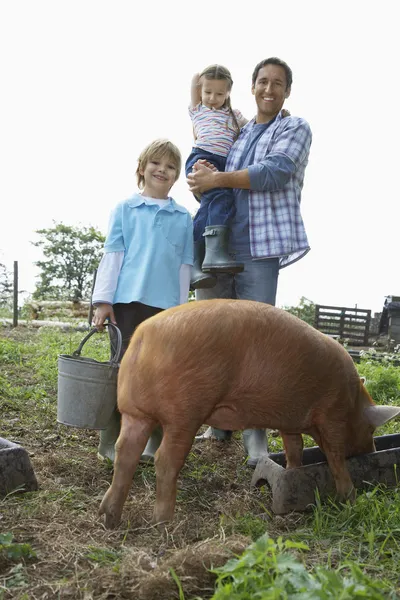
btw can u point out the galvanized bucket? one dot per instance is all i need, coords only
(87, 388)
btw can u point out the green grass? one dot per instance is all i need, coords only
(334, 551)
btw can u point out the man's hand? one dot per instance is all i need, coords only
(201, 179)
(102, 312)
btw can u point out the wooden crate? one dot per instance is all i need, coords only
(351, 324)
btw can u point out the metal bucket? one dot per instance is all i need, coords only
(87, 388)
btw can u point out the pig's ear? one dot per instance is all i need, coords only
(378, 415)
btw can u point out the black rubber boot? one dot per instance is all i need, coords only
(217, 259)
(198, 279)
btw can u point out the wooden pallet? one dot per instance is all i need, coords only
(350, 324)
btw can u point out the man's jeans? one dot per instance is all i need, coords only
(257, 282)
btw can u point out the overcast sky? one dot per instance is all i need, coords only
(85, 85)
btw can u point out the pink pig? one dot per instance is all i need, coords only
(236, 364)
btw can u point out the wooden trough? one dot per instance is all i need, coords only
(294, 489)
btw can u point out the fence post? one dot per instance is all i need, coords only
(90, 315)
(15, 294)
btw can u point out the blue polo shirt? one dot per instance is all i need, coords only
(156, 241)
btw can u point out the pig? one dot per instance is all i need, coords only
(235, 364)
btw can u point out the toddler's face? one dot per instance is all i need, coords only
(214, 92)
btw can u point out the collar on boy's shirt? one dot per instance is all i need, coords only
(171, 206)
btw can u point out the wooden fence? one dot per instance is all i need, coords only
(69, 310)
(350, 324)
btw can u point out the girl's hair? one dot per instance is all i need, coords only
(220, 72)
(158, 149)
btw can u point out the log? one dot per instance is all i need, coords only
(81, 326)
(39, 304)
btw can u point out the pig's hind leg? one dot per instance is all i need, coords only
(131, 442)
(169, 460)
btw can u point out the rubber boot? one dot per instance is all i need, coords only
(214, 434)
(255, 444)
(217, 259)
(108, 437)
(152, 446)
(198, 279)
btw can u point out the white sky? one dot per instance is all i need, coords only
(85, 85)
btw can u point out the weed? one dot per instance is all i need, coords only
(269, 570)
(14, 550)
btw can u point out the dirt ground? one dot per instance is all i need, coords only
(217, 513)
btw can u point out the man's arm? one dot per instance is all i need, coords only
(290, 149)
(203, 179)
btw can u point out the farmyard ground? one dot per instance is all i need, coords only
(68, 552)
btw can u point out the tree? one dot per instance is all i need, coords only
(72, 254)
(6, 287)
(304, 311)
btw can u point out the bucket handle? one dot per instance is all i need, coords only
(114, 358)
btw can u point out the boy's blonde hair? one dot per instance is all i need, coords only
(158, 149)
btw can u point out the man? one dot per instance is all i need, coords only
(265, 168)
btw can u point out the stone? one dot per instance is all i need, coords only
(16, 471)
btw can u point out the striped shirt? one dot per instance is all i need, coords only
(214, 129)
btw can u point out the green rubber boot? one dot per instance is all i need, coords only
(198, 279)
(109, 436)
(152, 446)
(217, 258)
(214, 434)
(255, 444)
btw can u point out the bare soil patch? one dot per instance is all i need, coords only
(217, 514)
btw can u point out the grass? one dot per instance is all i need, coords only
(53, 545)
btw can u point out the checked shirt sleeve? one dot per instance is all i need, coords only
(289, 150)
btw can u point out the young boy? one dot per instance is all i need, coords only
(147, 261)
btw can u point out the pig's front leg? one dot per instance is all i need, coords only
(293, 444)
(332, 438)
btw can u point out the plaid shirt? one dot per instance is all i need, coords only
(275, 222)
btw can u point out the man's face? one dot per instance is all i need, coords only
(270, 92)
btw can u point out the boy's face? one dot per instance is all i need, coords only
(159, 175)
